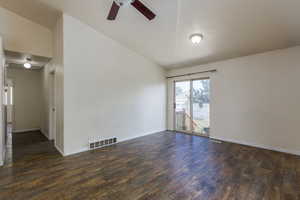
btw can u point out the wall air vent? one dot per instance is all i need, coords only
(102, 143)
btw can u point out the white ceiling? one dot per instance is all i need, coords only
(17, 60)
(231, 28)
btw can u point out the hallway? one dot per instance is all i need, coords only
(27, 146)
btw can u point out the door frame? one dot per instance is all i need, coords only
(12, 108)
(52, 105)
(192, 132)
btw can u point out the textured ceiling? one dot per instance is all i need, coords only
(231, 28)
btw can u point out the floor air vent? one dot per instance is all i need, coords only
(102, 143)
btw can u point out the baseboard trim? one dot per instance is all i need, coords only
(46, 135)
(120, 141)
(138, 136)
(59, 150)
(282, 150)
(26, 130)
(77, 151)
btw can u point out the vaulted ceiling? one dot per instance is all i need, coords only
(231, 28)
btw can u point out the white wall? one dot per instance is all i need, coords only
(27, 98)
(109, 91)
(255, 99)
(22, 35)
(2, 129)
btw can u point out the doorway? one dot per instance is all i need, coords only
(29, 99)
(27, 104)
(192, 106)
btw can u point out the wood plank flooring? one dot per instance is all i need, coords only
(27, 144)
(162, 166)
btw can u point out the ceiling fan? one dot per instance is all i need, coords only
(135, 3)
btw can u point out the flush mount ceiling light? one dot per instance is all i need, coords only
(196, 38)
(27, 64)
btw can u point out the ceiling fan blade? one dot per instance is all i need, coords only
(113, 11)
(143, 9)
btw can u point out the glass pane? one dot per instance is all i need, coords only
(182, 109)
(201, 102)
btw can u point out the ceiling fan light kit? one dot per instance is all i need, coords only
(135, 3)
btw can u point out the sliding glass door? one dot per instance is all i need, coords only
(183, 106)
(192, 105)
(201, 104)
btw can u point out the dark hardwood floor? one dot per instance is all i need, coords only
(27, 145)
(162, 166)
(31, 144)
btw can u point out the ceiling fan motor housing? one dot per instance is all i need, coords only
(124, 2)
